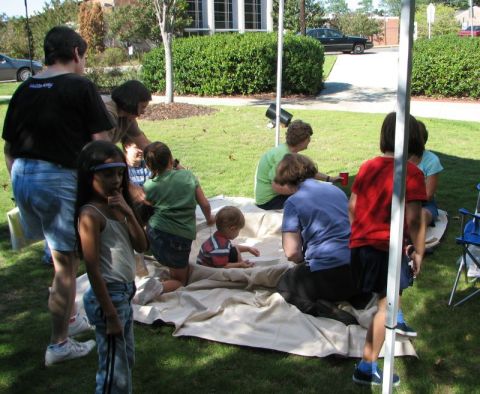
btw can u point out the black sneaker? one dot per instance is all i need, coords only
(372, 379)
(405, 330)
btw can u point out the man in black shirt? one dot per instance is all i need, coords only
(50, 118)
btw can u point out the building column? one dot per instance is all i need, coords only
(269, 15)
(211, 16)
(241, 15)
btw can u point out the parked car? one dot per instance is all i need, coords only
(467, 32)
(17, 69)
(335, 41)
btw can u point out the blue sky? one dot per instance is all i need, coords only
(16, 7)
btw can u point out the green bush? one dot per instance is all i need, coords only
(107, 79)
(237, 64)
(112, 57)
(446, 66)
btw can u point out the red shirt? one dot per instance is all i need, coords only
(373, 186)
(215, 251)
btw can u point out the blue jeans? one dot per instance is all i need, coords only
(45, 194)
(168, 249)
(123, 347)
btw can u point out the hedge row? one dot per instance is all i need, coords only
(446, 66)
(237, 64)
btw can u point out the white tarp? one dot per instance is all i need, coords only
(240, 306)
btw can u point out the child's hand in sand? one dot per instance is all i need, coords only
(253, 251)
(245, 264)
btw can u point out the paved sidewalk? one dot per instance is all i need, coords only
(427, 109)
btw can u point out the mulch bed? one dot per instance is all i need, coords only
(182, 110)
(175, 111)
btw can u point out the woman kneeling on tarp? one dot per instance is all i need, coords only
(315, 235)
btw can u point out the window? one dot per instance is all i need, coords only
(334, 34)
(253, 14)
(223, 14)
(195, 12)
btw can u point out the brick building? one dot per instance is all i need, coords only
(390, 33)
(209, 16)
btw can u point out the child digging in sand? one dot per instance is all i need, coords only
(218, 250)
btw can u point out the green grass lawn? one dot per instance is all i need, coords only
(7, 88)
(222, 150)
(328, 65)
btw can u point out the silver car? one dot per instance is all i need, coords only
(17, 69)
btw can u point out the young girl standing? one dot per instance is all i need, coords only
(370, 213)
(108, 232)
(174, 194)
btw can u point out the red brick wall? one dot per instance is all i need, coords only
(389, 35)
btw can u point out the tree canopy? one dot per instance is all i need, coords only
(314, 14)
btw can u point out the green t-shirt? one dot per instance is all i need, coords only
(172, 195)
(266, 173)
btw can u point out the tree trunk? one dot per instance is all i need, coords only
(167, 44)
(303, 28)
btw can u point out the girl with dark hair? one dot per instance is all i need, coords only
(370, 214)
(174, 194)
(108, 232)
(126, 103)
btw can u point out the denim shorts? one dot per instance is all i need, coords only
(431, 206)
(45, 194)
(169, 249)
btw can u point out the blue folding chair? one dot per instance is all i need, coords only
(470, 237)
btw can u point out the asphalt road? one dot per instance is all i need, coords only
(370, 77)
(368, 83)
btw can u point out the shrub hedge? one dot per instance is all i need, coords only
(446, 66)
(237, 64)
(107, 79)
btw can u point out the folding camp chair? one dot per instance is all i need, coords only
(470, 237)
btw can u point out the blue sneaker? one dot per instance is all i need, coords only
(372, 379)
(405, 330)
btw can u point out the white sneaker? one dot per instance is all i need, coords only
(70, 350)
(79, 325)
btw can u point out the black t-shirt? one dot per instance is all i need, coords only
(52, 119)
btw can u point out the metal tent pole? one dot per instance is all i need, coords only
(279, 71)
(398, 198)
(29, 37)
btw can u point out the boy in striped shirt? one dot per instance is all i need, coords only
(218, 250)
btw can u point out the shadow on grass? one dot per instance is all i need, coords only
(448, 338)
(447, 344)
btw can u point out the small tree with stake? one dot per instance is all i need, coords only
(167, 12)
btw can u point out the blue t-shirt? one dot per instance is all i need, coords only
(139, 175)
(430, 164)
(320, 212)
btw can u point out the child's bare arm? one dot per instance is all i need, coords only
(135, 231)
(239, 264)
(249, 249)
(413, 212)
(351, 207)
(204, 205)
(89, 229)
(431, 184)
